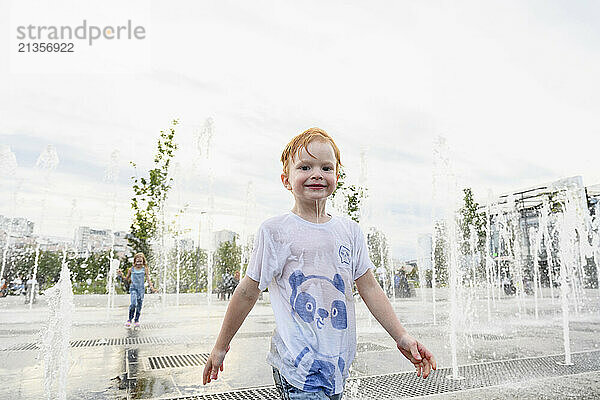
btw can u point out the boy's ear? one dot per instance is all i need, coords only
(286, 181)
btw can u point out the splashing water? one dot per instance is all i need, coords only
(536, 270)
(8, 167)
(351, 391)
(565, 264)
(8, 161)
(56, 335)
(110, 284)
(202, 143)
(317, 209)
(445, 207)
(47, 161)
(249, 211)
(596, 241)
(111, 175)
(211, 249)
(178, 251)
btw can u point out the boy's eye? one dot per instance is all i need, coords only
(327, 168)
(304, 167)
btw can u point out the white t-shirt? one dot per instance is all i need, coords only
(310, 269)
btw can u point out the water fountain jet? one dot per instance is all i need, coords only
(47, 161)
(56, 335)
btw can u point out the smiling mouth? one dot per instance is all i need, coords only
(320, 323)
(316, 186)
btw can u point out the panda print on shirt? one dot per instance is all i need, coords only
(319, 306)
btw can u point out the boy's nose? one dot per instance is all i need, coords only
(316, 174)
(323, 313)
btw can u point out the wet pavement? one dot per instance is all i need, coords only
(510, 356)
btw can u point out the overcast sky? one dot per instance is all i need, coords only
(512, 85)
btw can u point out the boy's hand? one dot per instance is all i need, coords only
(214, 364)
(416, 353)
(119, 272)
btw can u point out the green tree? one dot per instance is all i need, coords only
(440, 251)
(380, 255)
(227, 260)
(378, 248)
(150, 193)
(200, 274)
(192, 274)
(247, 249)
(351, 195)
(89, 273)
(19, 263)
(472, 222)
(469, 217)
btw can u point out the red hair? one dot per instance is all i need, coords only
(301, 141)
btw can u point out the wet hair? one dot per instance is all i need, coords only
(295, 146)
(143, 258)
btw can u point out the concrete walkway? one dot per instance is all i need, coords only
(164, 358)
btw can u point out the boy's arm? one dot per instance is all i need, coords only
(379, 305)
(241, 303)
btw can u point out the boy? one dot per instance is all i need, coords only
(309, 261)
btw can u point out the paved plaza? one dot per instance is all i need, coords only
(513, 356)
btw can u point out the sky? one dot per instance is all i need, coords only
(512, 86)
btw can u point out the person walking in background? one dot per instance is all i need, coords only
(3, 288)
(136, 276)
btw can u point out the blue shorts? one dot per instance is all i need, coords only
(289, 392)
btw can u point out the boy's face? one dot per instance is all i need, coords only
(312, 178)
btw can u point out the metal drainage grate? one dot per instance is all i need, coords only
(474, 376)
(22, 347)
(112, 342)
(175, 361)
(488, 336)
(362, 347)
(583, 327)
(123, 341)
(407, 384)
(261, 393)
(136, 341)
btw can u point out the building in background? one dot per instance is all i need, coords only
(17, 226)
(54, 243)
(121, 246)
(19, 230)
(527, 204)
(88, 240)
